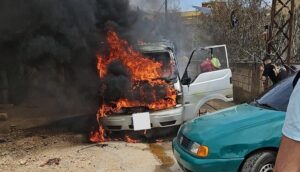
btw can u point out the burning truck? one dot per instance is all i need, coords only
(141, 88)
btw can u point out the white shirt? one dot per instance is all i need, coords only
(291, 127)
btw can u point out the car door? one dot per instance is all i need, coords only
(201, 85)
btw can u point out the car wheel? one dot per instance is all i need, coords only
(260, 162)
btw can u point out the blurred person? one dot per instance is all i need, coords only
(288, 159)
(215, 62)
(269, 71)
(206, 65)
(280, 71)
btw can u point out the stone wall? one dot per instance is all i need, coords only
(246, 81)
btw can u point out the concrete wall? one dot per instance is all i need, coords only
(246, 82)
(3, 87)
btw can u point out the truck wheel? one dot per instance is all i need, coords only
(260, 162)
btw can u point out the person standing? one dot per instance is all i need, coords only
(288, 158)
(215, 62)
(206, 65)
(269, 71)
(281, 72)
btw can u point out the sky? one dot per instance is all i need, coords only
(186, 5)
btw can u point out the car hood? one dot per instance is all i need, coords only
(227, 121)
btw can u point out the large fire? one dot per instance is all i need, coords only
(142, 69)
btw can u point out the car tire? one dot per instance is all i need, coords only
(260, 162)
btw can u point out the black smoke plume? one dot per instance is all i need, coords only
(48, 48)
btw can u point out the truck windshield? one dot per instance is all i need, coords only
(278, 96)
(169, 70)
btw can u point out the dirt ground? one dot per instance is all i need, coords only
(70, 152)
(61, 145)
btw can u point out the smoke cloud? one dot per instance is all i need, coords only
(48, 47)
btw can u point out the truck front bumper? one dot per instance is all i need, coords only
(163, 118)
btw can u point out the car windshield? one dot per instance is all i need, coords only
(168, 65)
(278, 96)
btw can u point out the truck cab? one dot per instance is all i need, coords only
(201, 84)
(194, 88)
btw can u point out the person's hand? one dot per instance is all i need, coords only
(263, 78)
(261, 68)
(276, 70)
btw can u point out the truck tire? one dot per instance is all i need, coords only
(260, 162)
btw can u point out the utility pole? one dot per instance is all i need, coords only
(281, 30)
(166, 10)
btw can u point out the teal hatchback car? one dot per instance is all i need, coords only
(243, 138)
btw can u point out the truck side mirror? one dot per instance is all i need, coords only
(186, 81)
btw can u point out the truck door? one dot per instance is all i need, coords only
(206, 77)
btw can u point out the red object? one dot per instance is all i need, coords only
(206, 65)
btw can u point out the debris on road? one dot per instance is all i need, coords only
(3, 116)
(102, 145)
(23, 162)
(93, 145)
(53, 161)
(2, 140)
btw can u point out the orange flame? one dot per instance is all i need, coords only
(130, 140)
(141, 68)
(98, 135)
